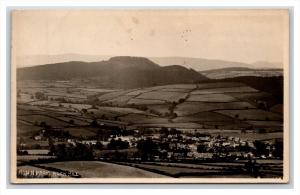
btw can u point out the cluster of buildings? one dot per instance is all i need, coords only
(192, 147)
(181, 145)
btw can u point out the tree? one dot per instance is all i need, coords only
(201, 148)
(70, 152)
(164, 131)
(39, 95)
(99, 145)
(147, 148)
(174, 131)
(278, 151)
(117, 144)
(260, 148)
(51, 147)
(94, 123)
(84, 110)
(71, 121)
(43, 124)
(181, 100)
(261, 131)
(103, 117)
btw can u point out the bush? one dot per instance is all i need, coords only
(78, 152)
(117, 144)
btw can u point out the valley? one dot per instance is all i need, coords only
(153, 126)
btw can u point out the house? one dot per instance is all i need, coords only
(89, 142)
(37, 137)
(203, 155)
(226, 144)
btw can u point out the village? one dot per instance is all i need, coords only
(160, 145)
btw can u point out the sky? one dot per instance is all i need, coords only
(235, 35)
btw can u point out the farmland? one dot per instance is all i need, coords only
(111, 123)
(168, 106)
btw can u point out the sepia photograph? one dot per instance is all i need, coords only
(149, 96)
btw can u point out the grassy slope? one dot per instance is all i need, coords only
(93, 169)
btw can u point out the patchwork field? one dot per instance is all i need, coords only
(189, 108)
(227, 104)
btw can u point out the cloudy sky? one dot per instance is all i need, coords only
(235, 35)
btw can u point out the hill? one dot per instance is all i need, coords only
(117, 72)
(272, 85)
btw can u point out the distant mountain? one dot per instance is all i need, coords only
(118, 72)
(268, 65)
(33, 60)
(232, 72)
(199, 64)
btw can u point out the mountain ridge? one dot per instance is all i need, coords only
(120, 71)
(198, 64)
